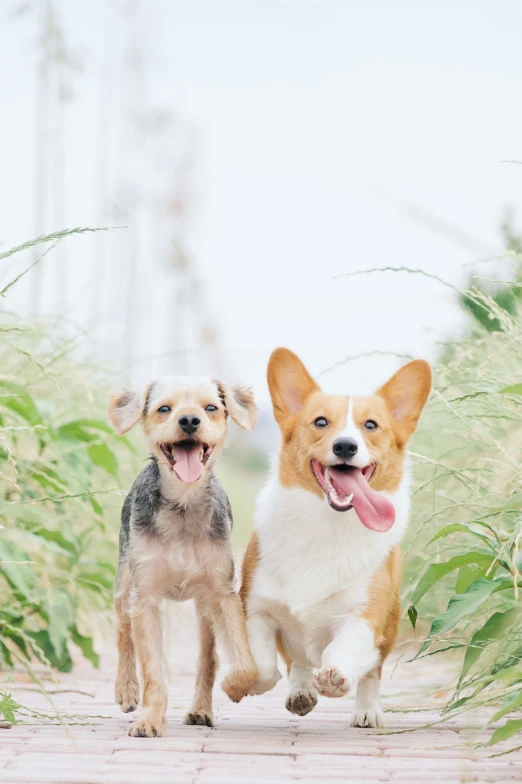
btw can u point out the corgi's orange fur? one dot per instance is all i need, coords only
(322, 571)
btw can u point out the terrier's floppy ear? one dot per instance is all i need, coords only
(405, 395)
(239, 403)
(126, 408)
(289, 382)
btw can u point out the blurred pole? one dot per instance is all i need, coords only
(41, 125)
(61, 293)
(135, 172)
(102, 190)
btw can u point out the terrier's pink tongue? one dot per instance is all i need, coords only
(188, 466)
(373, 509)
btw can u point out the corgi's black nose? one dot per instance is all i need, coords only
(189, 424)
(345, 447)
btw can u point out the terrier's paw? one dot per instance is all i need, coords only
(330, 682)
(127, 695)
(302, 701)
(263, 684)
(200, 718)
(238, 684)
(369, 718)
(146, 728)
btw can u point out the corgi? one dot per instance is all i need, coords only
(322, 570)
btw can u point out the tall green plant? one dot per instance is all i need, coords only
(465, 559)
(60, 470)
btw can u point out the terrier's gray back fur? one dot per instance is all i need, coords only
(210, 513)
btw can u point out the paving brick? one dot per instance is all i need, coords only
(253, 742)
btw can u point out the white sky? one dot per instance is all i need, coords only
(314, 121)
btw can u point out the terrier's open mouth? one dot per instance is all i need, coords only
(187, 459)
(347, 487)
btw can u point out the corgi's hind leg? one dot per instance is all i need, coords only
(368, 710)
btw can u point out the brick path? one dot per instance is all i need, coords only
(256, 741)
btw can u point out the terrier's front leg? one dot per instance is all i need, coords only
(147, 636)
(127, 690)
(350, 655)
(201, 710)
(230, 618)
(262, 640)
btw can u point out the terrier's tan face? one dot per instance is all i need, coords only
(184, 420)
(185, 423)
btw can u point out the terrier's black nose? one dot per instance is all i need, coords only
(189, 424)
(345, 447)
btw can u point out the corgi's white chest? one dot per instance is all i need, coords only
(312, 556)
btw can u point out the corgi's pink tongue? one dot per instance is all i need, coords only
(373, 509)
(188, 466)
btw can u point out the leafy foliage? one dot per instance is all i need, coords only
(60, 472)
(57, 553)
(465, 558)
(8, 707)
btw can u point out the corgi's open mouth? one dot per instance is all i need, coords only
(187, 459)
(347, 487)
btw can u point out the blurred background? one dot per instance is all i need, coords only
(253, 163)
(254, 151)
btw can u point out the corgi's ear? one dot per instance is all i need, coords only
(289, 382)
(240, 404)
(405, 395)
(126, 408)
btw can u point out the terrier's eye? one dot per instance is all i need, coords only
(211, 408)
(321, 422)
(370, 424)
(163, 409)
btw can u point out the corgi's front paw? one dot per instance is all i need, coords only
(330, 682)
(264, 683)
(301, 701)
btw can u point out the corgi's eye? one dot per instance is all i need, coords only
(211, 408)
(163, 409)
(321, 422)
(370, 424)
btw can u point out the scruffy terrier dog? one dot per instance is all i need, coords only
(175, 543)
